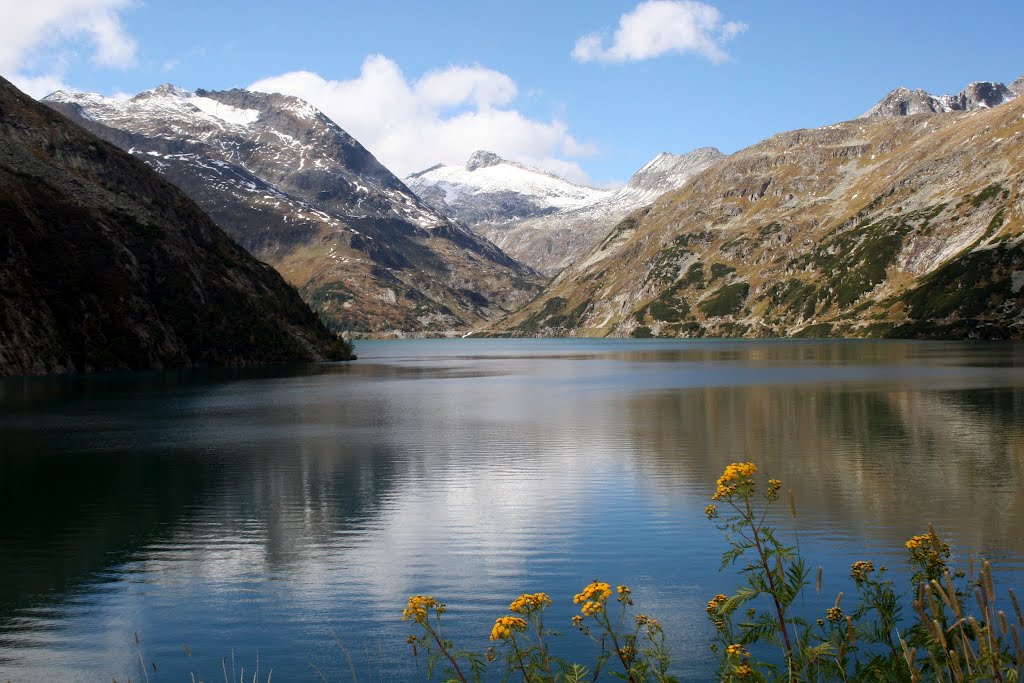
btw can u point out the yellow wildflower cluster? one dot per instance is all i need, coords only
(716, 602)
(929, 554)
(918, 542)
(773, 488)
(743, 671)
(419, 606)
(736, 650)
(505, 627)
(593, 597)
(644, 620)
(735, 474)
(711, 511)
(859, 570)
(527, 603)
(834, 613)
(624, 593)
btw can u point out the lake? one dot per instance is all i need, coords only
(287, 513)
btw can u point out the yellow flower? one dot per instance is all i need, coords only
(577, 620)
(736, 474)
(530, 602)
(736, 650)
(711, 511)
(505, 627)
(859, 570)
(418, 607)
(834, 613)
(597, 592)
(743, 671)
(716, 602)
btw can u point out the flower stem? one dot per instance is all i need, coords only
(769, 572)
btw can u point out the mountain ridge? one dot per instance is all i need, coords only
(105, 265)
(977, 95)
(299, 192)
(905, 226)
(551, 242)
(489, 189)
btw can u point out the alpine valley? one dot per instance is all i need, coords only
(302, 195)
(547, 222)
(906, 222)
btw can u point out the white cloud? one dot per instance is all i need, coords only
(444, 116)
(38, 40)
(659, 27)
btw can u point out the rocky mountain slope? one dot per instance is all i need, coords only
(105, 265)
(550, 242)
(977, 95)
(909, 226)
(491, 190)
(301, 194)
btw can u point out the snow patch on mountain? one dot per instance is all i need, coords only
(551, 241)
(490, 189)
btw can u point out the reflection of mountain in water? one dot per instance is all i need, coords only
(98, 478)
(884, 461)
(272, 508)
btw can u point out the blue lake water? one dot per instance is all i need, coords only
(286, 514)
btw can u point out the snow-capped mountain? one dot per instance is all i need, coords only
(977, 95)
(552, 241)
(489, 189)
(300, 193)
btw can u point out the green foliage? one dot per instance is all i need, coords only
(855, 261)
(720, 270)
(552, 315)
(726, 301)
(816, 331)
(986, 194)
(870, 642)
(964, 287)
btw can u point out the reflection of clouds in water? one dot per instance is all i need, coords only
(337, 496)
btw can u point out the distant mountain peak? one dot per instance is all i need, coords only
(978, 95)
(482, 159)
(492, 189)
(164, 90)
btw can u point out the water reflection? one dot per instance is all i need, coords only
(261, 509)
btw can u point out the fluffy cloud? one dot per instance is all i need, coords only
(37, 40)
(659, 27)
(444, 116)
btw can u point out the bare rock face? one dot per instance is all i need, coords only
(304, 196)
(105, 265)
(887, 226)
(977, 95)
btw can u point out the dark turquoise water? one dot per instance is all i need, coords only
(287, 513)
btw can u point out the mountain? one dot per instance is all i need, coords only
(977, 95)
(552, 241)
(105, 265)
(906, 226)
(492, 190)
(302, 195)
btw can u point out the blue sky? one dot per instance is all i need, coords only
(549, 83)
